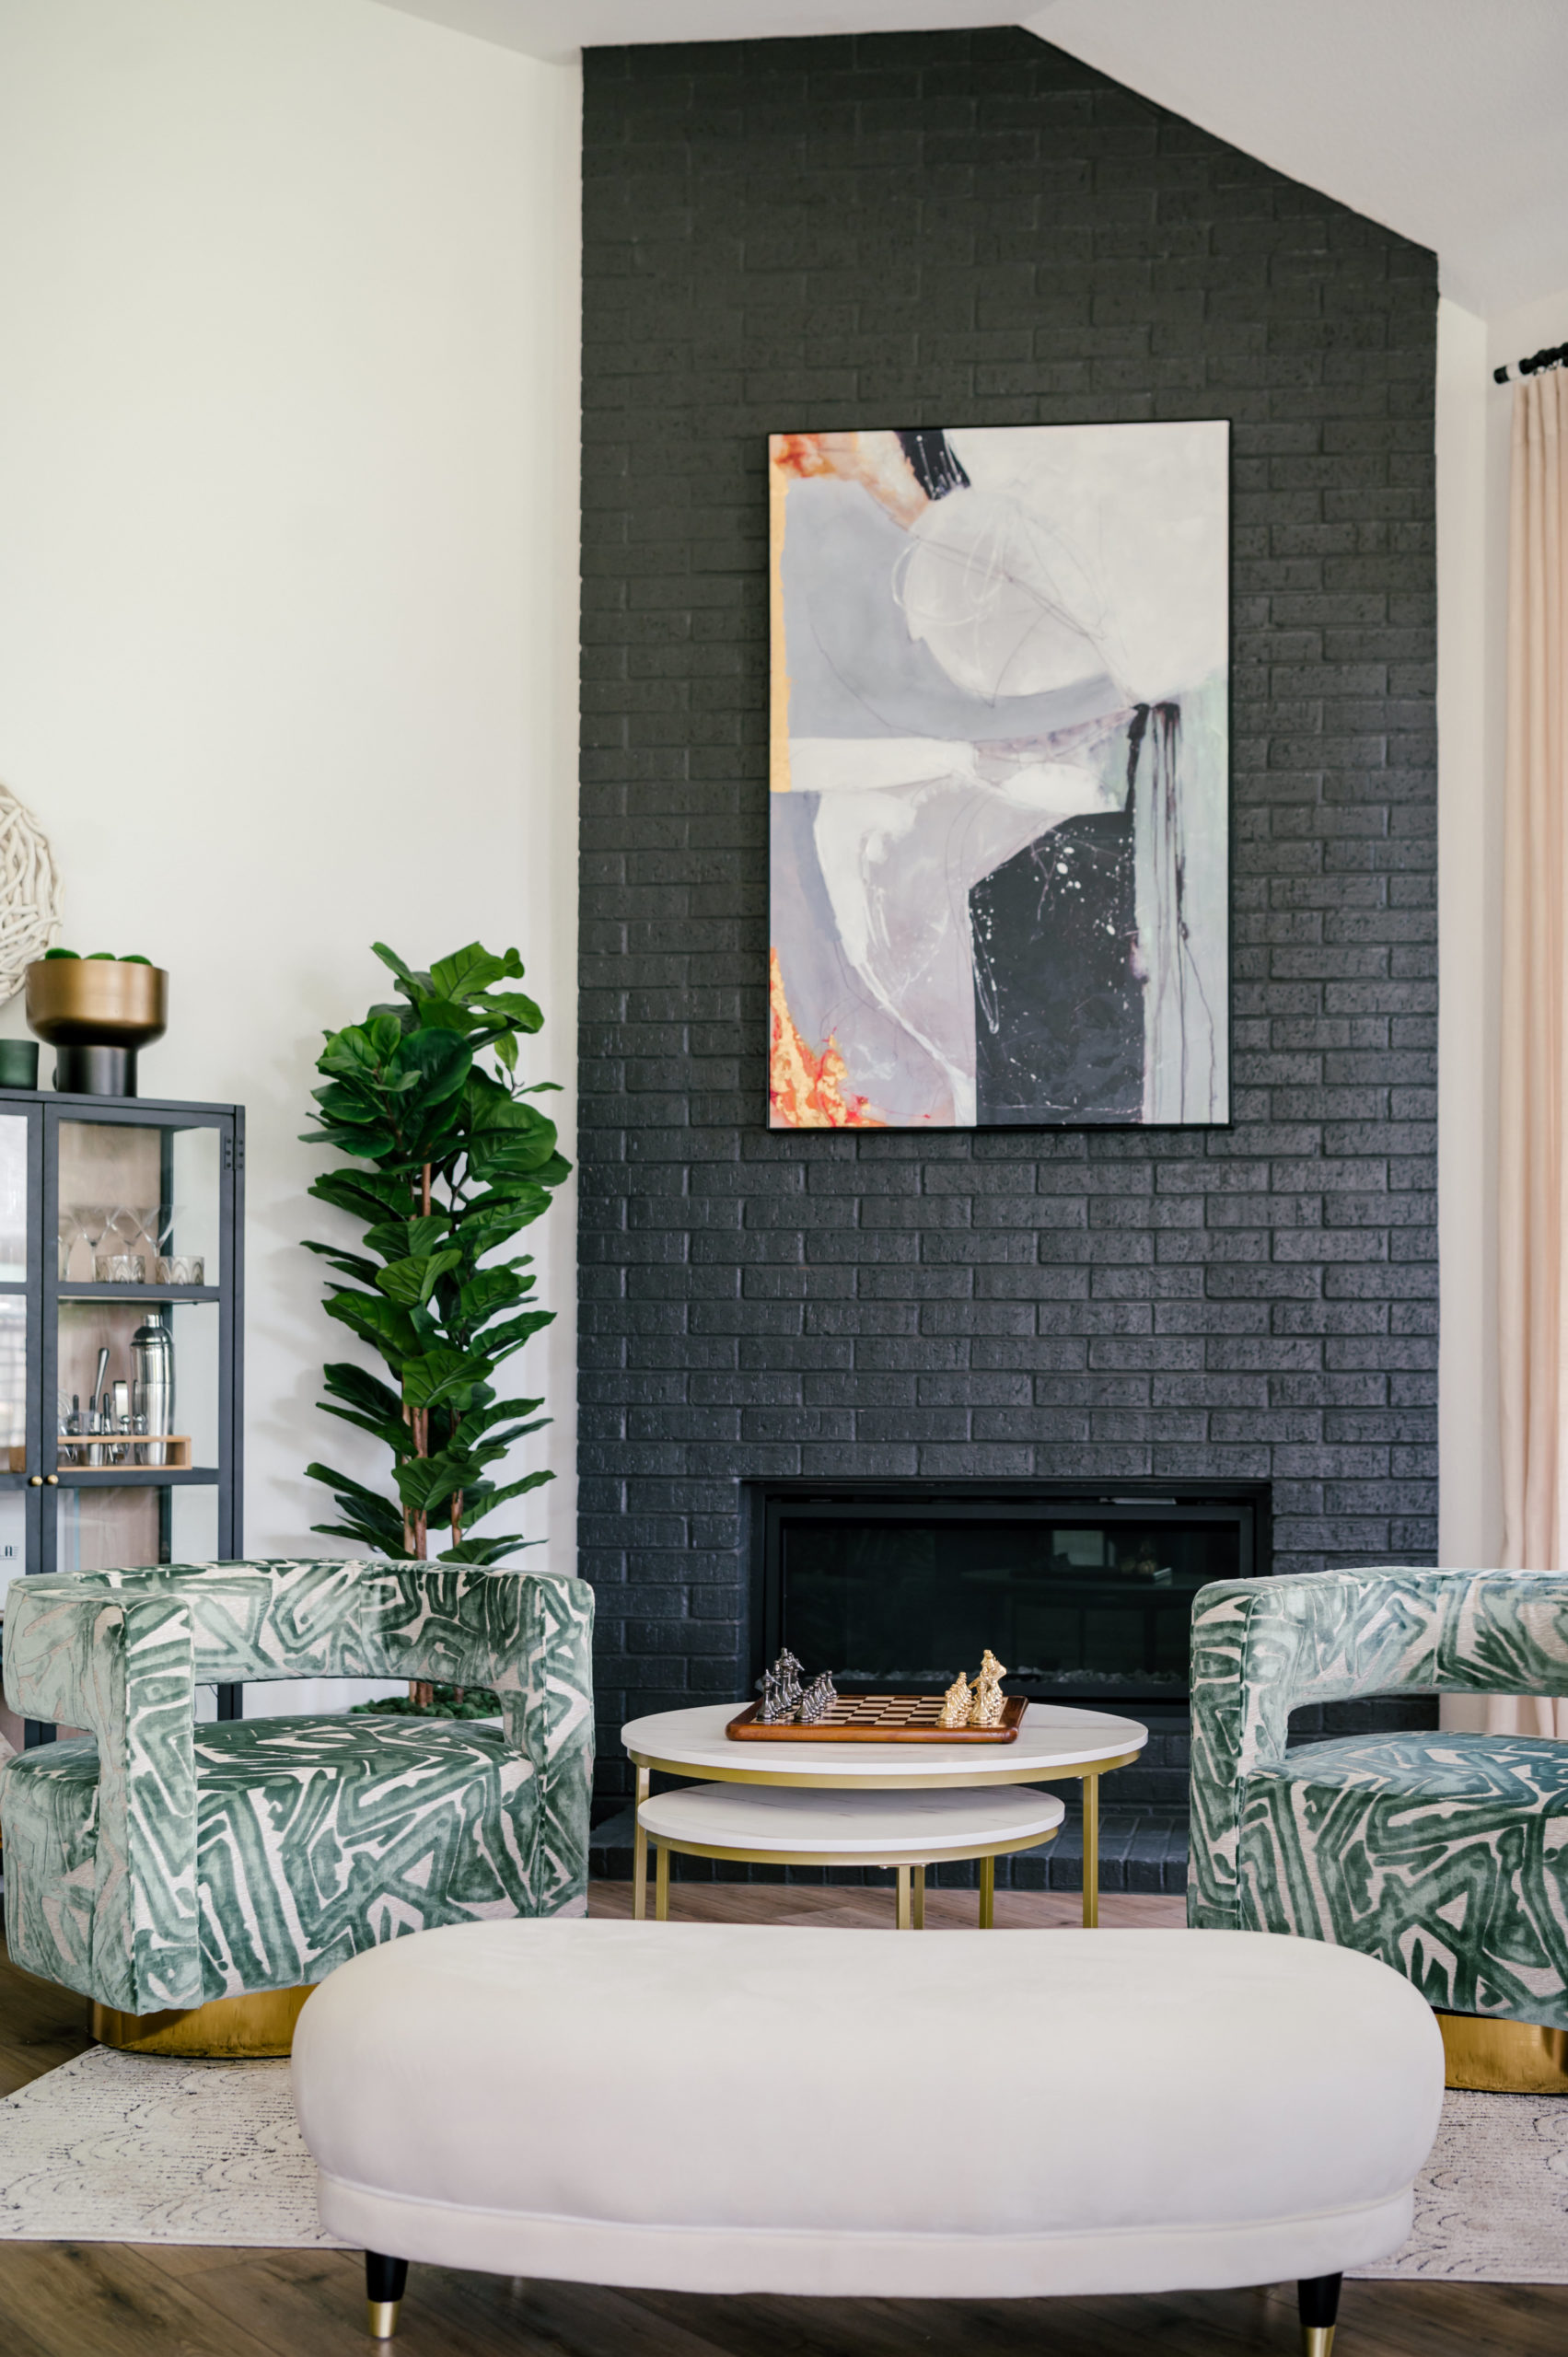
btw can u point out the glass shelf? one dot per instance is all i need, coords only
(82, 1290)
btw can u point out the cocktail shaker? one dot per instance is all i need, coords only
(152, 1383)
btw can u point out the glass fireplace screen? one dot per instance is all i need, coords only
(1077, 1603)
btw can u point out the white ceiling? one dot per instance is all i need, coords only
(1442, 119)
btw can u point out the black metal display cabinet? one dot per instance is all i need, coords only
(119, 1213)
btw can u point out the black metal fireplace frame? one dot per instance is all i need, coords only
(766, 1501)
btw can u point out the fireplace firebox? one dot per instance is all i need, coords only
(1085, 1590)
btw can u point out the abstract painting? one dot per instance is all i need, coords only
(999, 755)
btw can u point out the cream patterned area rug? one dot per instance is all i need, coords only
(1492, 2203)
(127, 2148)
(123, 2148)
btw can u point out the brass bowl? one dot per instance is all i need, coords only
(97, 1001)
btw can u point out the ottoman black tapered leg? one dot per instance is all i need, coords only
(1318, 2297)
(384, 2281)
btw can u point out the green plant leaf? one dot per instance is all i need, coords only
(424, 1483)
(439, 1063)
(397, 1437)
(484, 1410)
(501, 1341)
(416, 985)
(468, 971)
(347, 1264)
(512, 1157)
(442, 1374)
(380, 1322)
(373, 1518)
(362, 1194)
(485, 1498)
(488, 1552)
(345, 1380)
(404, 1239)
(447, 1014)
(490, 1291)
(413, 1281)
(514, 1005)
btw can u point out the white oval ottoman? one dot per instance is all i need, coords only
(749, 2108)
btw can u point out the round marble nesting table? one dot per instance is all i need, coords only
(769, 1825)
(1056, 1741)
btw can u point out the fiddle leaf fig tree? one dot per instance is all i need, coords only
(449, 1160)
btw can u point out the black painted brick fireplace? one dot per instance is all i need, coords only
(973, 228)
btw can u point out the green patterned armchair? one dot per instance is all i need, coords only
(156, 1863)
(1443, 1854)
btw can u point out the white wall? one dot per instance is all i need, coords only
(288, 435)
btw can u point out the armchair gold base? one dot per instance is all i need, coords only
(381, 2317)
(1503, 2058)
(231, 2028)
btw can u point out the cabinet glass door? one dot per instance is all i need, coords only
(119, 1323)
(138, 1342)
(140, 1203)
(14, 1129)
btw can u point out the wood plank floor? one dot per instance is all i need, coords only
(115, 2300)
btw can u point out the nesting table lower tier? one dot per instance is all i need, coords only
(908, 1832)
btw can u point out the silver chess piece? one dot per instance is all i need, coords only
(781, 1692)
(817, 1703)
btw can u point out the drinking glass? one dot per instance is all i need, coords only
(157, 1226)
(91, 1220)
(68, 1229)
(121, 1264)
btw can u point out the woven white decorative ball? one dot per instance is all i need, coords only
(30, 893)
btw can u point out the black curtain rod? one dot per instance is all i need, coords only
(1553, 357)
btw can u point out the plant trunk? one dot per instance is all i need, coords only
(415, 1533)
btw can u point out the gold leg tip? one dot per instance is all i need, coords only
(383, 2318)
(1316, 2340)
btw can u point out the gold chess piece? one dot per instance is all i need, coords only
(985, 1707)
(956, 1703)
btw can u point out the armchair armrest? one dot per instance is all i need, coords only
(1262, 1647)
(529, 1637)
(558, 1735)
(124, 1668)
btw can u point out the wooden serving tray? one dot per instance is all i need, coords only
(71, 1453)
(880, 1718)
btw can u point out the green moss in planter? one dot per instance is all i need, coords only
(478, 1702)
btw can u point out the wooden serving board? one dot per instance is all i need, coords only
(71, 1452)
(880, 1718)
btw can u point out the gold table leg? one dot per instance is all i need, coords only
(661, 1883)
(917, 1898)
(1091, 1853)
(988, 1894)
(904, 1913)
(640, 1850)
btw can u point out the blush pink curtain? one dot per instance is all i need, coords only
(1532, 1165)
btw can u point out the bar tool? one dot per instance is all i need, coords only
(95, 1403)
(152, 1383)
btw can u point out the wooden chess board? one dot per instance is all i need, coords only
(880, 1718)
